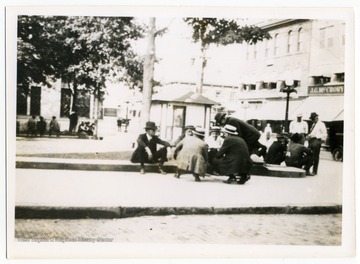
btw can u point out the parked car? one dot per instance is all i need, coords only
(336, 139)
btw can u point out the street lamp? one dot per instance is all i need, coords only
(289, 89)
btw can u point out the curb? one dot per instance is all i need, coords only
(43, 212)
(257, 169)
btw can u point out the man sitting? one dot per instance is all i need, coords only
(146, 151)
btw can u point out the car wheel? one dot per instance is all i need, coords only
(337, 154)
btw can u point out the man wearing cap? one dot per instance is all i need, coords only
(299, 126)
(277, 151)
(233, 158)
(317, 134)
(298, 155)
(193, 156)
(244, 130)
(146, 151)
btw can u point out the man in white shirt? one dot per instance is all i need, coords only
(299, 126)
(317, 134)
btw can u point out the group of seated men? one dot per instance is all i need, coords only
(227, 151)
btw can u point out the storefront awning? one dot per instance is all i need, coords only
(274, 110)
(329, 108)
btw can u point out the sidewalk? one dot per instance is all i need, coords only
(43, 193)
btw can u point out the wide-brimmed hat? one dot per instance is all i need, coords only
(191, 127)
(215, 129)
(313, 115)
(199, 131)
(282, 135)
(150, 125)
(295, 137)
(230, 129)
(219, 116)
(299, 115)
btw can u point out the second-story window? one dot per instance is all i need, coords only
(300, 40)
(290, 41)
(276, 45)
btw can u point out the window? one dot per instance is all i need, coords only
(322, 38)
(276, 44)
(340, 77)
(300, 40)
(266, 48)
(320, 80)
(297, 83)
(21, 101)
(290, 41)
(65, 102)
(35, 99)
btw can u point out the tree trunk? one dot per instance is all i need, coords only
(148, 73)
(202, 65)
(96, 112)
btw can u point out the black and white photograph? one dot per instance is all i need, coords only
(180, 132)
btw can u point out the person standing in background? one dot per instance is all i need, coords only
(41, 126)
(54, 127)
(317, 134)
(31, 126)
(299, 126)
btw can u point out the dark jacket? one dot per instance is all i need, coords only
(296, 152)
(276, 153)
(233, 157)
(246, 131)
(143, 142)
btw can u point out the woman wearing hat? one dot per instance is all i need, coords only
(317, 134)
(147, 152)
(233, 158)
(193, 156)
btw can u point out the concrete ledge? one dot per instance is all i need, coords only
(42, 212)
(259, 169)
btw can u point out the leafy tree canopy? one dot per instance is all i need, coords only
(224, 31)
(84, 50)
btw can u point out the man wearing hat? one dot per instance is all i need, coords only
(146, 151)
(277, 151)
(298, 155)
(193, 156)
(244, 130)
(317, 134)
(233, 158)
(299, 126)
(214, 140)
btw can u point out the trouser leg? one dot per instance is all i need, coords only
(315, 146)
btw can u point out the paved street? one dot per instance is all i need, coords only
(221, 229)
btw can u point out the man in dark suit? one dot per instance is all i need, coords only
(233, 158)
(244, 130)
(146, 151)
(277, 151)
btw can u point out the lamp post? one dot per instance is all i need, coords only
(288, 90)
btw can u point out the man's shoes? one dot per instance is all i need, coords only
(230, 180)
(197, 179)
(142, 171)
(243, 179)
(177, 175)
(161, 171)
(308, 173)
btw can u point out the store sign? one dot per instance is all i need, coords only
(110, 112)
(331, 89)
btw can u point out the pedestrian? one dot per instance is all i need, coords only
(146, 151)
(54, 127)
(119, 123)
(298, 155)
(73, 122)
(41, 126)
(244, 130)
(193, 154)
(277, 150)
(233, 158)
(299, 126)
(268, 131)
(31, 126)
(317, 134)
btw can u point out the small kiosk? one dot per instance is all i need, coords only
(173, 110)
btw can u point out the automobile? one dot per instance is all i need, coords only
(336, 139)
